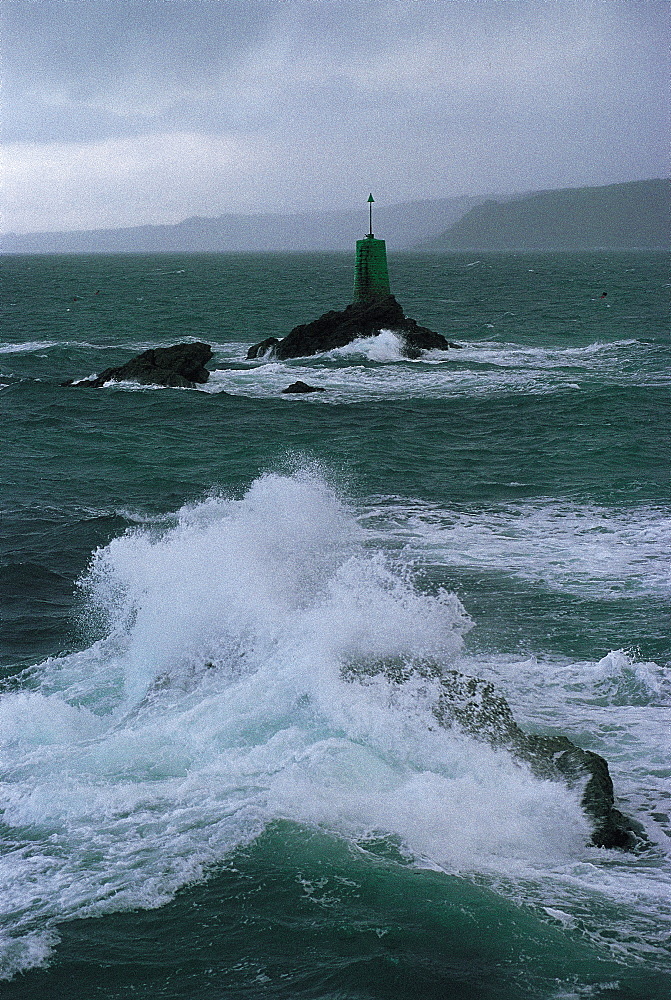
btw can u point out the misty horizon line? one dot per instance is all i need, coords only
(483, 196)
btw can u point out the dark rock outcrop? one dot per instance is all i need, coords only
(266, 346)
(181, 366)
(474, 706)
(478, 709)
(360, 319)
(302, 387)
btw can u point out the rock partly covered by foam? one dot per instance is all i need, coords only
(302, 387)
(474, 706)
(180, 366)
(360, 319)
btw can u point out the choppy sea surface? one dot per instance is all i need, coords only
(198, 797)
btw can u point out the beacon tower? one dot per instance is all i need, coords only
(371, 278)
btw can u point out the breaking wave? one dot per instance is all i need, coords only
(215, 702)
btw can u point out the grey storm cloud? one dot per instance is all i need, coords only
(225, 105)
(82, 69)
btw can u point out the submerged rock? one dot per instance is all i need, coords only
(474, 706)
(360, 319)
(180, 366)
(303, 387)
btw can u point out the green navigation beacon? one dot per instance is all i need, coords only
(371, 278)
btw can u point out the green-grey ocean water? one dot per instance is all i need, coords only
(195, 802)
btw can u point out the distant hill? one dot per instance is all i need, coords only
(400, 225)
(635, 215)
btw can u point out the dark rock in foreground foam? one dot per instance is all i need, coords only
(474, 706)
(360, 319)
(181, 366)
(303, 387)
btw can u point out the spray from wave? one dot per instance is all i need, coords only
(217, 703)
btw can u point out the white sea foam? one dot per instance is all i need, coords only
(216, 704)
(385, 346)
(27, 346)
(583, 549)
(136, 386)
(541, 688)
(514, 355)
(375, 368)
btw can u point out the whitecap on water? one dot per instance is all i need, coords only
(383, 347)
(579, 548)
(376, 368)
(28, 346)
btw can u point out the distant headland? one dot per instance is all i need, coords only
(631, 216)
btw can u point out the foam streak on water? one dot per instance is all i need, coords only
(375, 368)
(216, 704)
(579, 548)
(371, 368)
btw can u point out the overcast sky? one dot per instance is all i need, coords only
(122, 112)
